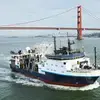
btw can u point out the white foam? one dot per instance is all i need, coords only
(89, 87)
(21, 79)
(5, 58)
(4, 71)
(6, 78)
(35, 82)
(5, 75)
(29, 81)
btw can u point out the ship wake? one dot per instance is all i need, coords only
(17, 78)
(85, 88)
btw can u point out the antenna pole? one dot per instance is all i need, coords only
(55, 45)
(95, 57)
(60, 44)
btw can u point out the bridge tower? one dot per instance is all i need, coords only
(79, 23)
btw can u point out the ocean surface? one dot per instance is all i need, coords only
(14, 86)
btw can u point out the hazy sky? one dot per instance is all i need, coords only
(16, 11)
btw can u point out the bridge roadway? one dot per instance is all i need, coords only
(43, 28)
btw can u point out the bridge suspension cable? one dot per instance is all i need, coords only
(91, 14)
(44, 18)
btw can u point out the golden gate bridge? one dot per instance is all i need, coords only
(79, 27)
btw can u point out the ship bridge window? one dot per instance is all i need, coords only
(84, 61)
(84, 64)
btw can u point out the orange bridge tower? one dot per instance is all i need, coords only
(79, 23)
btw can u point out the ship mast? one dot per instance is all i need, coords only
(55, 45)
(95, 57)
(69, 46)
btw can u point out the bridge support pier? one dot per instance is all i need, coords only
(79, 23)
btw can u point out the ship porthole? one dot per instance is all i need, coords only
(64, 63)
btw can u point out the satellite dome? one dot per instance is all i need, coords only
(28, 48)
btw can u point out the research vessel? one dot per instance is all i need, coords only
(65, 67)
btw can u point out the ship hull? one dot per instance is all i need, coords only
(58, 79)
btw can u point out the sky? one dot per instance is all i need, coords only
(19, 11)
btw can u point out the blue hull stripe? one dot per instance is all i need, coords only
(68, 74)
